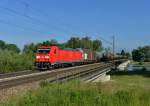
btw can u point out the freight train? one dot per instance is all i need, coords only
(54, 56)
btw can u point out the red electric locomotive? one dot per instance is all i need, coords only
(53, 56)
(48, 56)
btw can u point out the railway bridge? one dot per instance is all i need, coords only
(88, 73)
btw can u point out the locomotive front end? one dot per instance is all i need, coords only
(42, 60)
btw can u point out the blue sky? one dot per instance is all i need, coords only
(26, 21)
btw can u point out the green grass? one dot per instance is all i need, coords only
(122, 90)
(140, 63)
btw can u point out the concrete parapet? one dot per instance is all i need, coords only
(123, 66)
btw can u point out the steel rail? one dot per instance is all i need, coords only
(13, 74)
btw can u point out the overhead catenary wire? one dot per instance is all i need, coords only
(36, 21)
(106, 41)
(43, 13)
(98, 36)
(21, 27)
(46, 15)
(20, 14)
(25, 4)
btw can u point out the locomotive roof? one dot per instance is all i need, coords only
(46, 46)
(77, 49)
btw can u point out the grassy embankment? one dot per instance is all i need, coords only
(123, 90)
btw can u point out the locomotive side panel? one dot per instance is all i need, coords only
(70, 56)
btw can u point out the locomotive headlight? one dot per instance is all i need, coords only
(46, 57)
(37, 57)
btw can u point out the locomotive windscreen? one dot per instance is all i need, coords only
(43, 51)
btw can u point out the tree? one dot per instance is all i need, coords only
(50, 43)
(2, 44)
(122, 52)
(145, 52)
(141, 54)
(12, 47)
(97, 45)
(73, 42)
(30, 48)
(86, 43)
(127, 54)
(62, 45)
(136, 55)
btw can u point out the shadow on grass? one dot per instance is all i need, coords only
(136, 72)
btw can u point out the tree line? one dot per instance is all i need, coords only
(73, 42)
(141, 54)
(14, 59)
(11, 58)
(9, 47)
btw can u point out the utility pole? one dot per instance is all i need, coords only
(113, 48)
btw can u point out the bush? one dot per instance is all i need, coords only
(11, 61)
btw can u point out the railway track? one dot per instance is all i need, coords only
(80, 74)
(53, 75)
(26, 72)
(13, 74)
(19, 73)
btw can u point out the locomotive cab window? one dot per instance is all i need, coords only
(43, 51)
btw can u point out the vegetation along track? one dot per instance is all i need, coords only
(54, 75)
